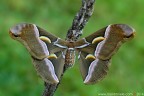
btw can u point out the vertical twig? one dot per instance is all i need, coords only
(73, 34)
(80, 20)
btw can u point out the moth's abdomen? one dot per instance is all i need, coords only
(70, 57)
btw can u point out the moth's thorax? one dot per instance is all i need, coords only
(70, 57)
(70, 45)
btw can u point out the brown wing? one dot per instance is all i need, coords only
(57, 47)
(86, 43)
(45, 70)
(85, 47)
(115, 36)
(50, 68)
(28, 35)
(84, 64)
(96, 69)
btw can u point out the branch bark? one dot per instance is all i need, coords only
(75, 31)
(80, 20)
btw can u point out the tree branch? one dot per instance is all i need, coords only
(80, 20)
(73, 34)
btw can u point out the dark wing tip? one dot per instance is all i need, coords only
(16, 31)
(127, 30)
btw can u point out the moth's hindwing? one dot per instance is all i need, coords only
(97, 71)
(46, 70)
(84, 64)
(58, 63)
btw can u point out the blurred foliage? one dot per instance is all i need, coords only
(17, 74)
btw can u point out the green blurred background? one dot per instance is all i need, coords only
(17, 74)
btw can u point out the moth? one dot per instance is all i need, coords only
(50, 53)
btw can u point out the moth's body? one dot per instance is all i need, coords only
(70, 57)
(49, 53)
(70, 48)
(69, 51)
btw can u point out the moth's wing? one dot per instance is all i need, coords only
(84, 64)
(58, 63)
(50, 69)
(92, 69)
(45, 70)
(85, 47)
(115, 36)
(43, 32)
(28, 35)
(99, 33)
(56, 44)
(57, 47)
(97, 71)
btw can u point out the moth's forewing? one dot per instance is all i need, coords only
(97, 71)
(90, 48)
(55, 40)
(115, 36)
(43, 32)
(53, 48)
(99, 33)
(28, 35)
(46, 71)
